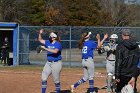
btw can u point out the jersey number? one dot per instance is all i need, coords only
(84, 50)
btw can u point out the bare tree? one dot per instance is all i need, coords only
(118, 10)
(8, 10)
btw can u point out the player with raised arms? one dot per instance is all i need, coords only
(54, 64)
(88, 46)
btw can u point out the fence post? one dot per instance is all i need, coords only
(18, 45)
(70, 48)
(66, 55)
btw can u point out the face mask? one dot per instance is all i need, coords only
(112, 41)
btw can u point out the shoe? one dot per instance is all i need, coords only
(72, 88)
(93, 92)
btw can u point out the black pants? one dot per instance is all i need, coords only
(5, 59)
(124, 81)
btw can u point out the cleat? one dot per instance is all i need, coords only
(93, 92)
(72, 88)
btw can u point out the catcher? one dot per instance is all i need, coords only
(126, 60)
(110, 48)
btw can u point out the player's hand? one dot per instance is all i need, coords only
(105, 36)
(98, 36)
(41, 31)
(132, 82)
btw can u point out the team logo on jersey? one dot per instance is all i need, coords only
(51, 47)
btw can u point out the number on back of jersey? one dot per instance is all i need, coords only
(84, 50)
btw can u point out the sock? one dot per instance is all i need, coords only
(91, 83)
(57, 85)
(79, 82)
(109, 82)
(44, 86)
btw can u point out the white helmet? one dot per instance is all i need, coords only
(114, 36)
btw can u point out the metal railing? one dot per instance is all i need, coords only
(70, 36)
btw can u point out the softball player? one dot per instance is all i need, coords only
(110, 61)
(88, 47)
(53, 65)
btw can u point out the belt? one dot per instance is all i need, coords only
(53, 60)
(111, 60)
(87, 58)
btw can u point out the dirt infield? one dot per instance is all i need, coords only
(27, 80)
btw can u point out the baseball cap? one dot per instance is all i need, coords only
(126, 32)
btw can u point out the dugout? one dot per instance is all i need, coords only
(10, 30)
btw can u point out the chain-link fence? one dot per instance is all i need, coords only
(70, 36)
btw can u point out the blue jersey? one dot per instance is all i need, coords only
(88, 49)
(53, 56)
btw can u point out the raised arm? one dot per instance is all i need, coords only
(105, 37)
(40, 39)
(100, 43)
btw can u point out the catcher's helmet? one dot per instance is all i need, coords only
(114, 36)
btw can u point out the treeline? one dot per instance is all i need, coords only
(70, 12)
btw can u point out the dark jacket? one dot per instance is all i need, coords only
(126, 58)
(137, 72)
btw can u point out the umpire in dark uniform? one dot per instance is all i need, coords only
(126, 60)
(5, 52)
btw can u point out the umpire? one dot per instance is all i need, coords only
(126, 60)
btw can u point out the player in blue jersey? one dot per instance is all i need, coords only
(54, 64)
(88, 46)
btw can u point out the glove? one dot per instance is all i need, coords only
(127, 89)
(107, 48)
(39, 49)
(101, 51)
